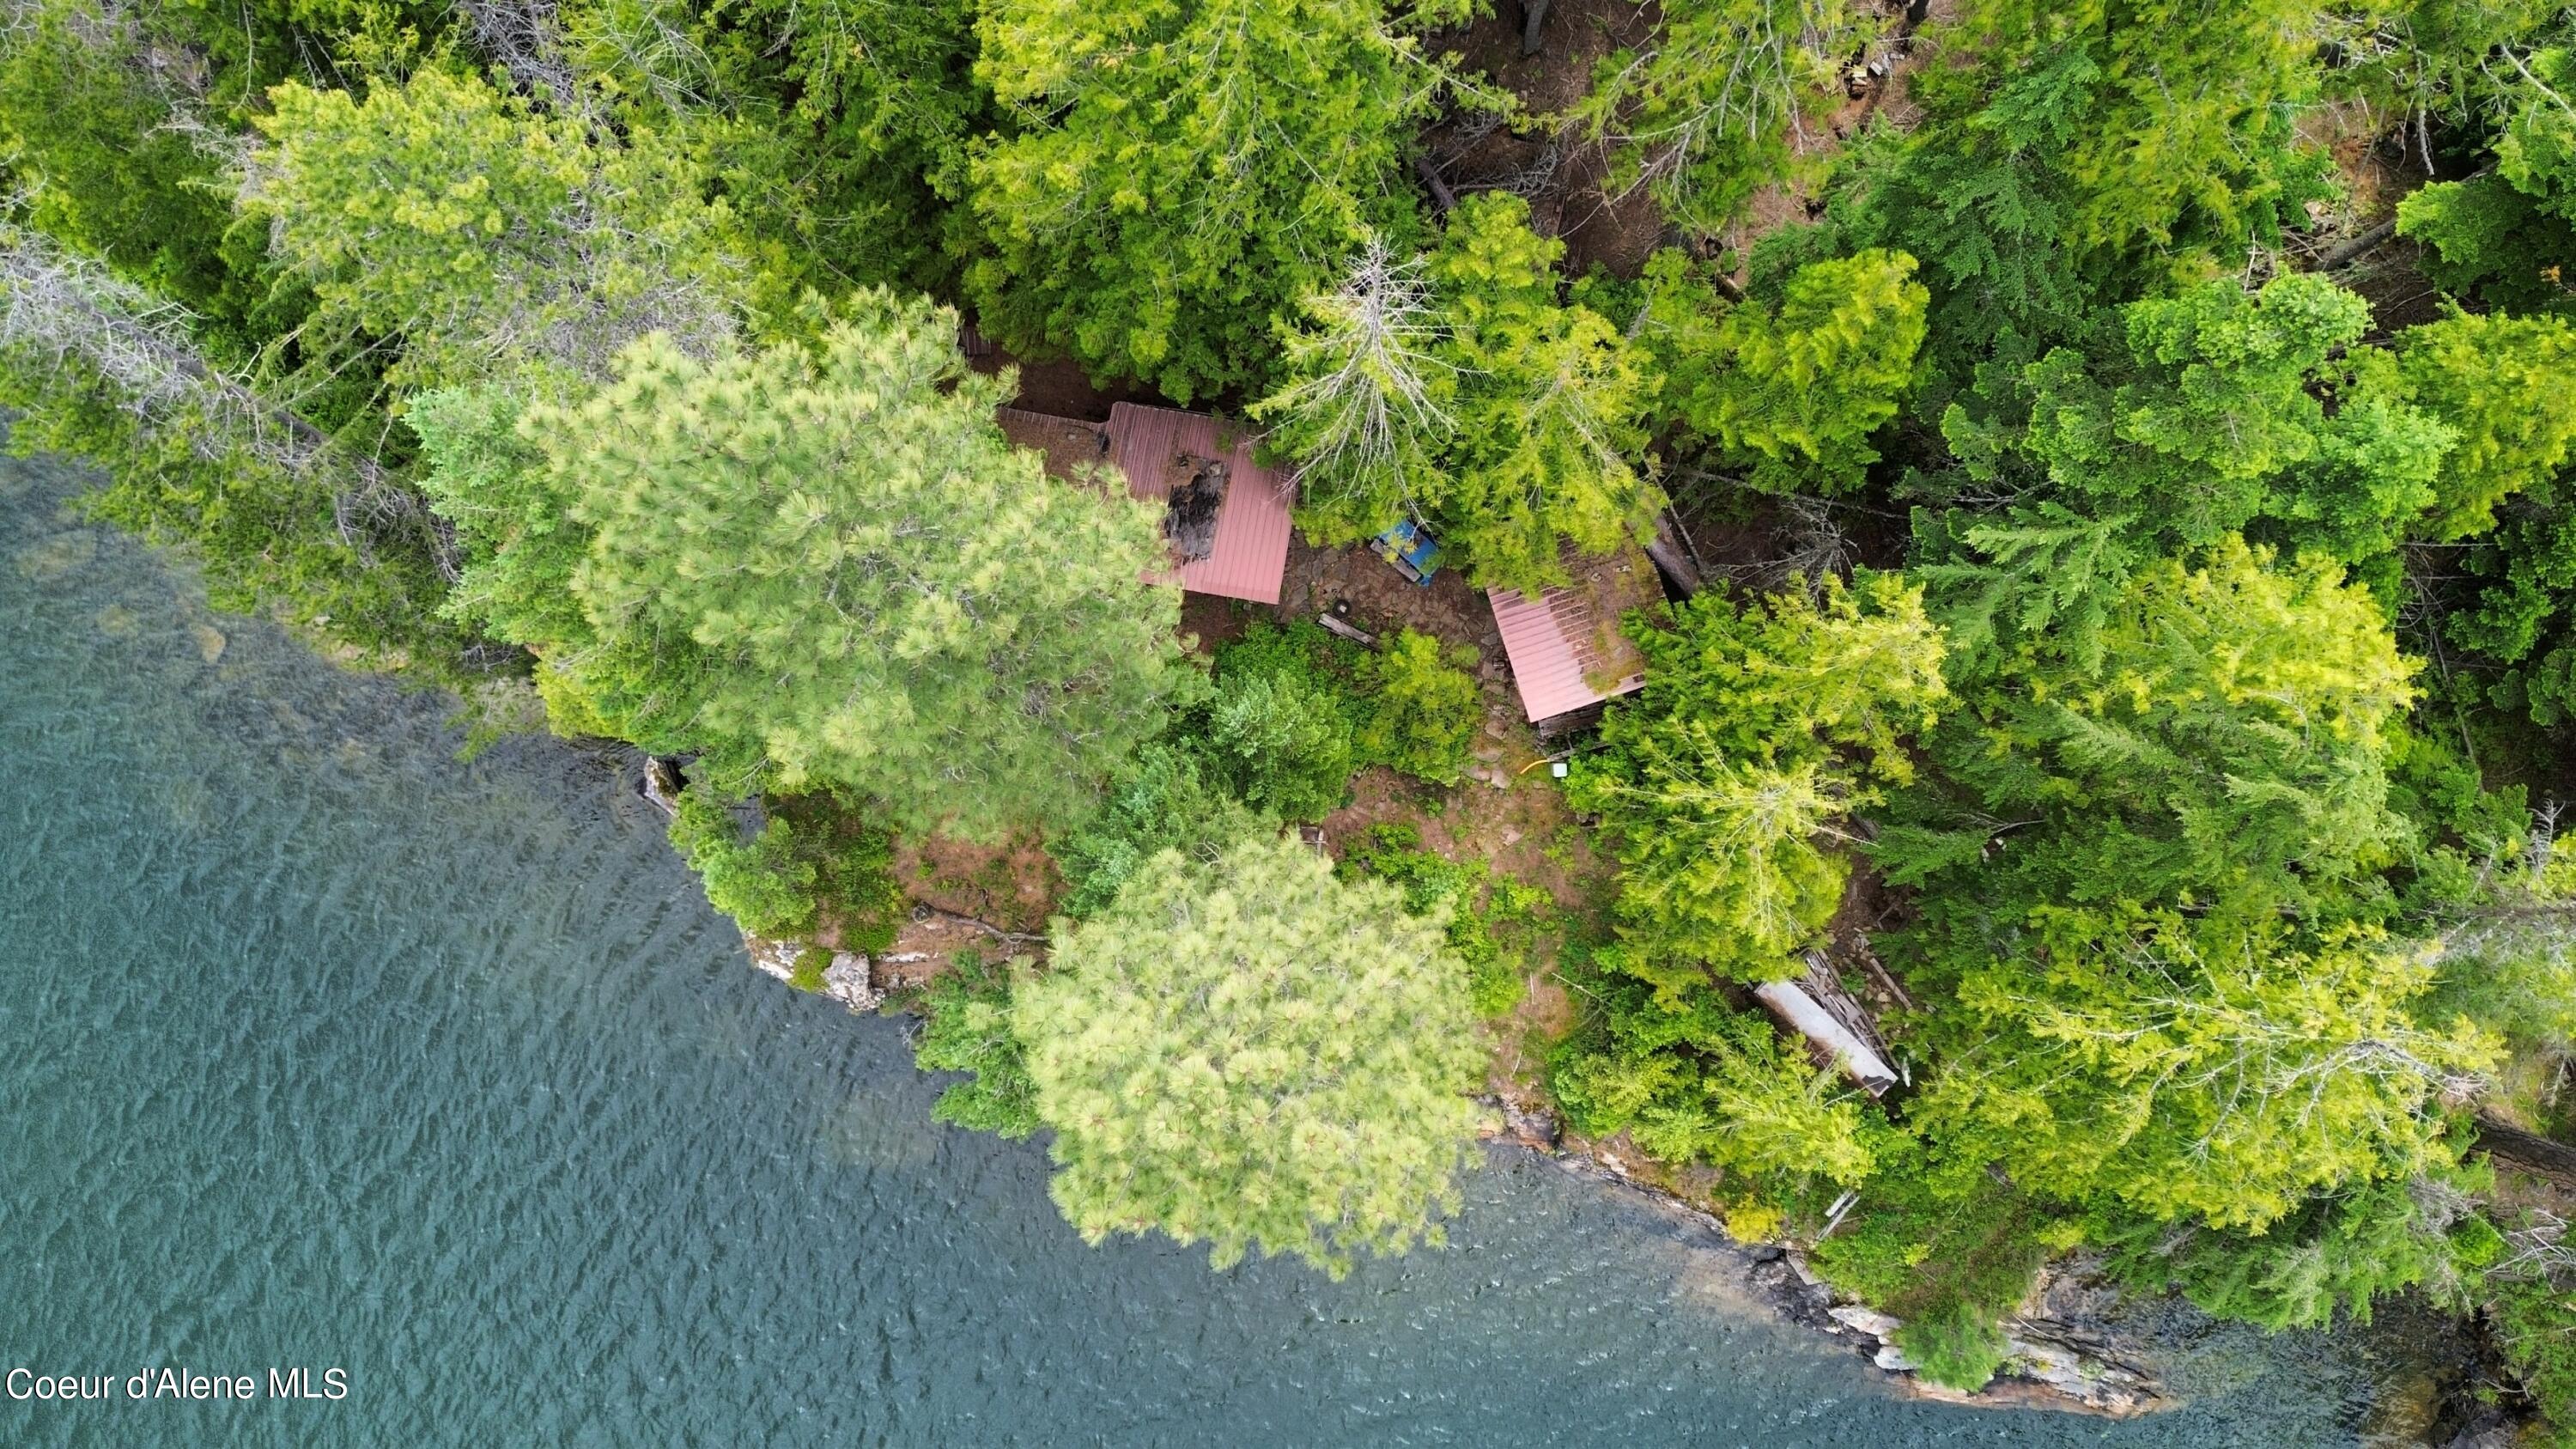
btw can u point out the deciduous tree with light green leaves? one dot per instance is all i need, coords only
(823, 565)
(1253, 1054)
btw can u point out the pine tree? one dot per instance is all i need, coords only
(483, 233)
(823, 565)
(1254, 1054)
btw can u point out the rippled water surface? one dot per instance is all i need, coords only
(320, 1047)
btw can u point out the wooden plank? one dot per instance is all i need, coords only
(1836, 1042)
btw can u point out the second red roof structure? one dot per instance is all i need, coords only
(1565, 646)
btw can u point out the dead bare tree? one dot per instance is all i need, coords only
(68, 310)
(525, 39)
(1366, 405)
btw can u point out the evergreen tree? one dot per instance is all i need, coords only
(1551, 406)
(1178, 175)
(1469, 394)
(837, 129)
(1254, 1054)
(481, 232)
(822, 565)
(1756, 731)
(2508, 235)
(1364, 412)
(2207, 1070)
(2506, 388)
(1792, 392)
(2223, 412)
(2187, 110)
(1722, 102)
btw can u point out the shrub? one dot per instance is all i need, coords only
(816, 857)
(810, 965)
(1422, 706)
(1164, 800)
(1284, 741)
(1954, 1345)
(2535, 1329)
(1702, 1082)
(761, 881)
(1493, 920)
(966, 1027)
(1754, 1221)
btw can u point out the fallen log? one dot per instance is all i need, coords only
(1352, 632)
(2352, 250)
(2528, 1152)
(1668, 555)
(1441, 195)
(1827, 1032)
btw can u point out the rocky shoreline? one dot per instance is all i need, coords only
(2066, 1355)
(2059, 1360)
(2055, 1364)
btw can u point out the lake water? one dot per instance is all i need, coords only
(319, 1047)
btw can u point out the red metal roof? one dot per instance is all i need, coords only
(1565, 645)
(1153, 447)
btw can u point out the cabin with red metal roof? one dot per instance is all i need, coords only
(1567, 654)
(1226, 516)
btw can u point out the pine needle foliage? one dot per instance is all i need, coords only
(822, 565)
(1255, 1055)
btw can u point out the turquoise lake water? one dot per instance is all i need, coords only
(319, 1047)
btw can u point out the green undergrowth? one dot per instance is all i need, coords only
(1298, 709)
(813, 860)
(2534, 1324)
(1496, 923)
(966, 1027)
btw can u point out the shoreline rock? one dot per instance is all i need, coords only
(2055, 1363)
(849, 980)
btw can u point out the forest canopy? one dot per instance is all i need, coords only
(2110, 472)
